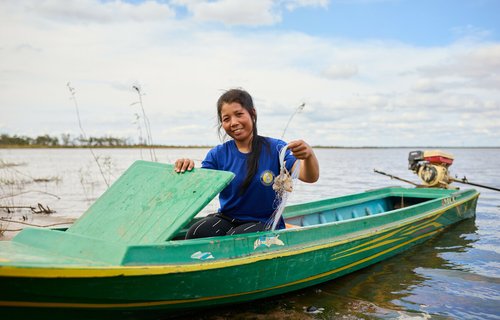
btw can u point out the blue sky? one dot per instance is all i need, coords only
(371, 72)
(422, 23)
(425, 22)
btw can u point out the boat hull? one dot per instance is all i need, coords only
(252, 266)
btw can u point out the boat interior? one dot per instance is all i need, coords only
(326, 211)
(353, 211)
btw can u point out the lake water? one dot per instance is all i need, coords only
(456, 275)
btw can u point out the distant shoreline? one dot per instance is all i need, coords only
(209, 147)
(101, 147)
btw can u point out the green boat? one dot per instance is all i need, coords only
(126, 254)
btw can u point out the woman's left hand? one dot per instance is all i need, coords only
(300, 149)
(309, 168)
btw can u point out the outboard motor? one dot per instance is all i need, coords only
(431, 167)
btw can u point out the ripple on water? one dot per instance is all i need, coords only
(459, 294)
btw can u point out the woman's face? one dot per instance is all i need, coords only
(237, 122)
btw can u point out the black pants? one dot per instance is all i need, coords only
(218, 225)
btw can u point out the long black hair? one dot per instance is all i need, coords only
(245, 100)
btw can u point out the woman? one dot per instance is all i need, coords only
(248, 202)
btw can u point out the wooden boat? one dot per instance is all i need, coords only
(126, 255)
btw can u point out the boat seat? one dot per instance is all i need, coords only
(354, 213)
(339, 216)
(380, 209)
(322, 218)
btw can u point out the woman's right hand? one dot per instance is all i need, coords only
(181, 165)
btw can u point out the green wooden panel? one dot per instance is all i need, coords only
(20, 255)
(70, 247)
(149, 203)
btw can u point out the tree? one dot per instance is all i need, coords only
(66, 139)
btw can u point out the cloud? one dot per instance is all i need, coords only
(233, 12)
(479, 62)
(79, 11)
(341, 71)
(23, 47)
(295, 4)
(357, 93)
(477, 66)
(470, 33)
(244, 13)
(427, 86)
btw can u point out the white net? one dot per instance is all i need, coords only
(283, 185)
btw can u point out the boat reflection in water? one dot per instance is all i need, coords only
(410, 281)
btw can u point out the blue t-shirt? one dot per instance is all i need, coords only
(258, 202)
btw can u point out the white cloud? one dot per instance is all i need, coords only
(234, 12)
(390, 94)
(243, 12)
(475, 62)
(88, 11)
(470, 33)
(295, 4)
(344, 71)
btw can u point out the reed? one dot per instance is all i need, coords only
(13, 184)
(147, 124)
(72, 91)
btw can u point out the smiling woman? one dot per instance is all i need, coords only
(249, 201)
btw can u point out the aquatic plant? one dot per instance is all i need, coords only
(13, 183)
(72, 91)
(147, 125)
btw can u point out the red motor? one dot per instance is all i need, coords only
(431, 167)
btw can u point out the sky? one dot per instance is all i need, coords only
(382, 73)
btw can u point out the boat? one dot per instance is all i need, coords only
(127, 255)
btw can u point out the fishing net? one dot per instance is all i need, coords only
(283, 185)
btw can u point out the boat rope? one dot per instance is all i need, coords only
(283, 185)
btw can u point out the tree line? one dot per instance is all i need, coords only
(65, 140)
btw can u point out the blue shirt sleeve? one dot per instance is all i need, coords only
(210, 161)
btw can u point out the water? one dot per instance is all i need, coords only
(456, 275)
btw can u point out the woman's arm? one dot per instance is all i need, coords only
(309, 166)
